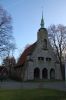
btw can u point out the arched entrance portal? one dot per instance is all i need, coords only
(52, 74)
(44, 73)
(36, 73)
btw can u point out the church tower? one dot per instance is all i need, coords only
(42, 35)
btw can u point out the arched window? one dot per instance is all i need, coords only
(44, 73)
(52, 74)
(45, 44)
(36, 73)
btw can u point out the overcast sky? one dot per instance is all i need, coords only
(26, 15)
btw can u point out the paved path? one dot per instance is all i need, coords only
(30, 85)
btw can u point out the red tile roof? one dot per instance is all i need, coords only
(24, 55)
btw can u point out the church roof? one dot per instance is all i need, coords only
(27, 51)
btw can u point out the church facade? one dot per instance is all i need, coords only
(38, 61)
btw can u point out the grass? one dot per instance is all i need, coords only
(32, 94)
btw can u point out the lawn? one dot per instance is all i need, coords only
(32, 94)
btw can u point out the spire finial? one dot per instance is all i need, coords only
(42, 21)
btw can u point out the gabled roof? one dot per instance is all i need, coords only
(27, 51)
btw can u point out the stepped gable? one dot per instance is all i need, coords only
(27, 51)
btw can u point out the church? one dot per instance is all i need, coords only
(38, 61)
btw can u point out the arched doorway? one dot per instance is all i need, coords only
(44, 73)
(36, 73)
(52, 74)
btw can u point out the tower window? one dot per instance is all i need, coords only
(41, 58)
(48, 59)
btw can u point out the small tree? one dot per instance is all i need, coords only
(57, 36)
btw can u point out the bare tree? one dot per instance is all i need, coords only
(6, 38)
(57, 36)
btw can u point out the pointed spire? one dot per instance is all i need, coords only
(42, 21)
